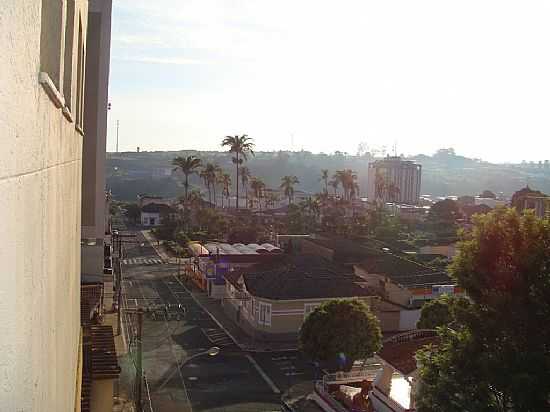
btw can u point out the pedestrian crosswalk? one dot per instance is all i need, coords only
(218, 337)
(142, 261)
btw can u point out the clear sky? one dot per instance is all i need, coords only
(325, 75)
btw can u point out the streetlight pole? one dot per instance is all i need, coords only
(139, 372)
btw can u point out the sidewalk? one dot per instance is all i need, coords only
(241, 339)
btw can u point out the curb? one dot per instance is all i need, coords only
(241, 346)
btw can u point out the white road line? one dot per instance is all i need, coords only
(206, 310)
(266, 378)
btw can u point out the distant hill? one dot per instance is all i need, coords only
(444, 173)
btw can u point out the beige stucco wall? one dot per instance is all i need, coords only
(40, 181)
(102, 395)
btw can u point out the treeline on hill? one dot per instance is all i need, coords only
(444, 173)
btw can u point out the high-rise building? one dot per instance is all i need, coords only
(394, 180)
(43, 127)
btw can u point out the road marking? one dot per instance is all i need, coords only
(283, 358)
(206, 310)
(294, 373)
(266, 378)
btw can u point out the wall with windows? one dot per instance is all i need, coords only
(40, 182)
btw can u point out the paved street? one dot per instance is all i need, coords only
(231, 381)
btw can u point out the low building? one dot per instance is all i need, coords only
(489, 201)
(144, 200)
(539, 204)
(404, 281)
(271, 301)
(153, 213)
(398, 279)
(213, 260)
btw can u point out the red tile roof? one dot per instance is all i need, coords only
(399, 350)
(104, 359)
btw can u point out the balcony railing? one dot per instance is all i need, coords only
(352, 376)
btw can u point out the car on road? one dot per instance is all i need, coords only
(175, 311)
(166, 311)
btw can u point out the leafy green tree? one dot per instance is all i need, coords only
(295, 219)
(446, 211)
(496, 356)
(441, 311)
(133, 212)
(241, 146)
(341, 327)
(487, 194)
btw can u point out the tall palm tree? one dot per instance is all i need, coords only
(287, 184)
(210, 172)
(188, 166)
(334, 183)
(324, 178)
(379, 186)
(257, 186)
(348, 179)
(245, 176)
(242, 146)
(204, 176)
(219, 180)
(393, 191)
(226, 181)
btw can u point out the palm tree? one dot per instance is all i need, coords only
(226, 181)
(209, 173)
(245, 176)
(393, 191)
(257, 186)
(219, 180)
(204, 176)
(241, 146)
(287, 184)
(334, 183)
(379, 186)
(348, 179)
(188, 166)
(324, 178)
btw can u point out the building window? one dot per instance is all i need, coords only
(310, 307)
(51, 40)
(68, 60)
(264, 317)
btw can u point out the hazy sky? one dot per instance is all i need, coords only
(327, 75)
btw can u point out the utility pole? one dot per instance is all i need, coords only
(139, 373)
(117, 126)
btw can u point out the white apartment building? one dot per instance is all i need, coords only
(394, 180)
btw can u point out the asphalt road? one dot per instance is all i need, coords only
(230, 381)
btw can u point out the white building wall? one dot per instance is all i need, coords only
(40, 182)
(146, 218)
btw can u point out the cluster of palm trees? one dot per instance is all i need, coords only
(214, 177)
(385, 188)
(346, 178)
